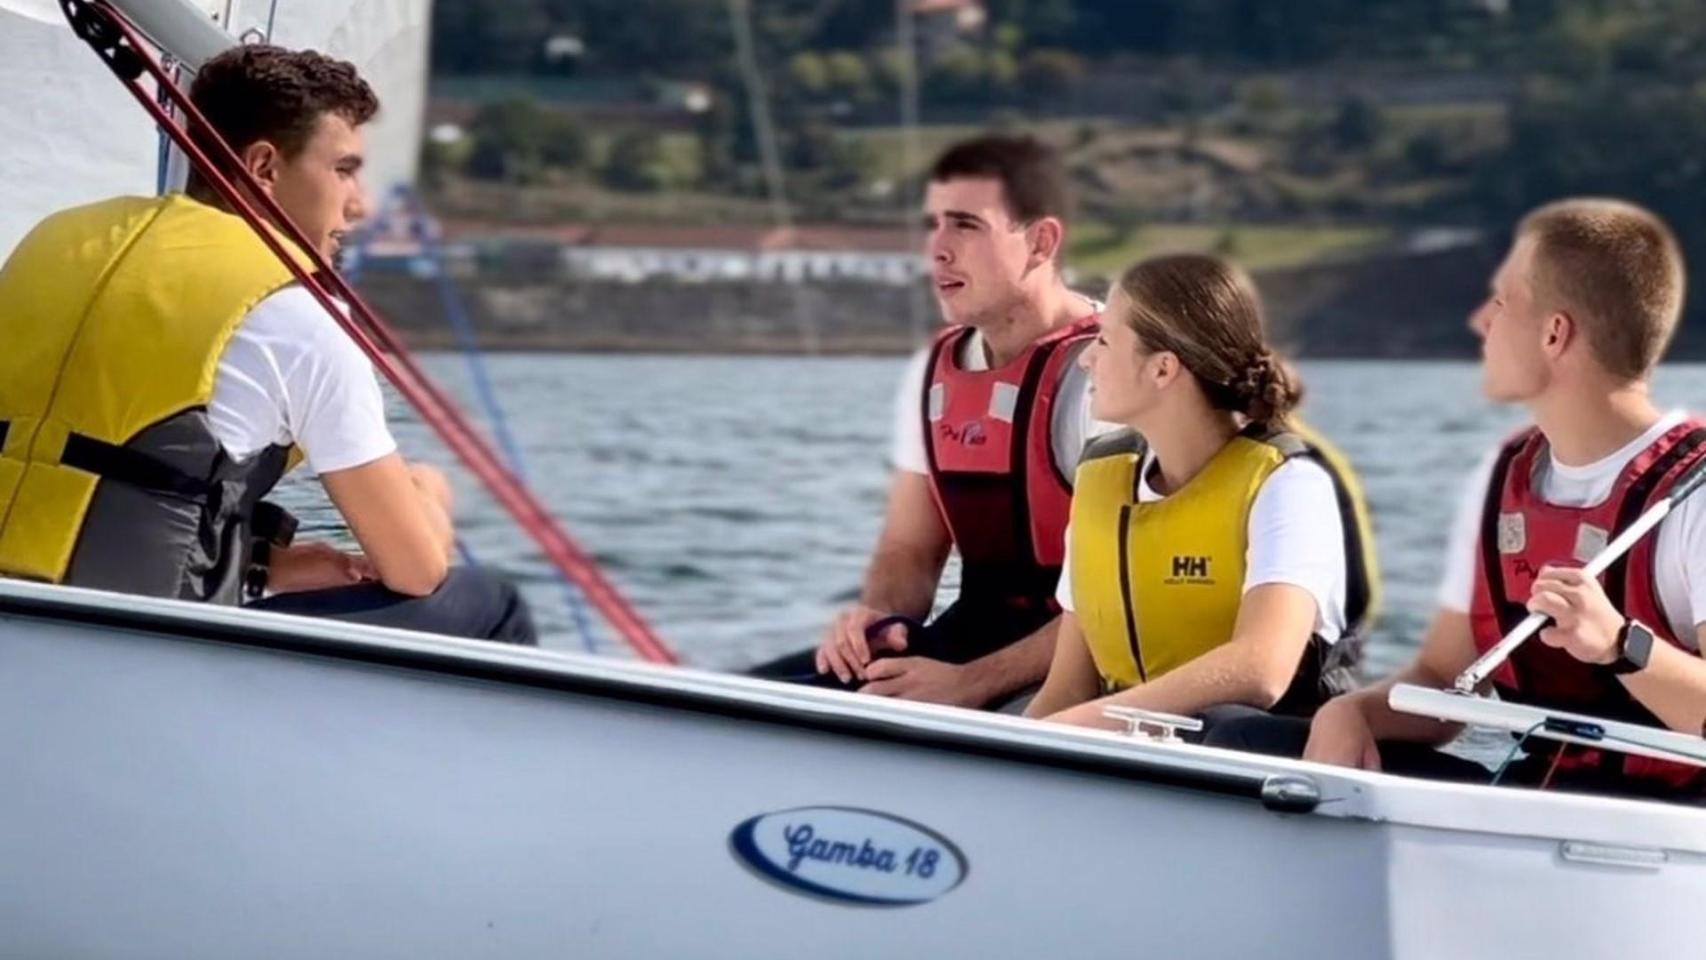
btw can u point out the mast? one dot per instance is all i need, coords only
(179, 28)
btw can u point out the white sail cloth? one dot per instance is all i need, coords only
(72, 134)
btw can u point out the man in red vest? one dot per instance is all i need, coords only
(1577, 317)
(989, 422)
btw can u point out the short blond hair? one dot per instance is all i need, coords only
(1615, 267)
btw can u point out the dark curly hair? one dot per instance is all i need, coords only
(260, 92)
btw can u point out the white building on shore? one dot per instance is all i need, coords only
(636, 254)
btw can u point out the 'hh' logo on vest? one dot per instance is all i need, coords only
(1190, 570)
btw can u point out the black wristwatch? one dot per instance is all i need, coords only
(1634, 648)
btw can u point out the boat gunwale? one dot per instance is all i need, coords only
(572, 673)
(1345, 794)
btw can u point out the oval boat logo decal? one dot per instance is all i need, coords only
(850, 855)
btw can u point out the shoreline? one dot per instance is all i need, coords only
(1408, 307)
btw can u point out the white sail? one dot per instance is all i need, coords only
(44, 11)
(73, 134)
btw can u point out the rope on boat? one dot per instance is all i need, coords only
(117, 42)
(1499, 774)
(426, 231)
(163, 158)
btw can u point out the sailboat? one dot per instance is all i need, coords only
(188, 781)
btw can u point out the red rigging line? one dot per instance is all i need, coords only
(122, 48)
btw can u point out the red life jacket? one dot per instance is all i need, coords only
(989, 444)
(1521, 533)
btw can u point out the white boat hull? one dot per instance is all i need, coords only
(186, 782)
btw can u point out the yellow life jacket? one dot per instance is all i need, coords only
(1156, 585)
(114, 316)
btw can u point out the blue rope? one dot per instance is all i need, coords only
(1499, 774)
(451, 299)
(163, 159)
(457, 313)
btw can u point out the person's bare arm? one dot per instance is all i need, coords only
(907, 563)
(400, 518)
(1346, 730)
(1586, 626)
(437, 500)
(974, 684)
(1015, 666)
(1255, 667)
(314, 565)
(1673, 686)
(901, 578)
(1072, 678)
(1447, 650)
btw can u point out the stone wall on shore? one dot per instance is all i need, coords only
(513, 313)
(1402, 306)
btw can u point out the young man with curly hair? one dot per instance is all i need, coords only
(165, 365)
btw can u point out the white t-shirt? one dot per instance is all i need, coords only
(1680, 558)
(1295, 533)
(291, 375)
(1072, 423)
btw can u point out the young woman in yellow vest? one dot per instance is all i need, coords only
(1218, 555)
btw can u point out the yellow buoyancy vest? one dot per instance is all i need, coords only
(1157, 584)
(1362, 575)
(114, 317)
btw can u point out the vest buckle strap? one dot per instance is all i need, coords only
(272, 524)
(124, 465)
(5, 428)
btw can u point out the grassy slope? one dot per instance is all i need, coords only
(1099, 250)
(1124, 179)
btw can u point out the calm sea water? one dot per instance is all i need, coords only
(735, 499)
